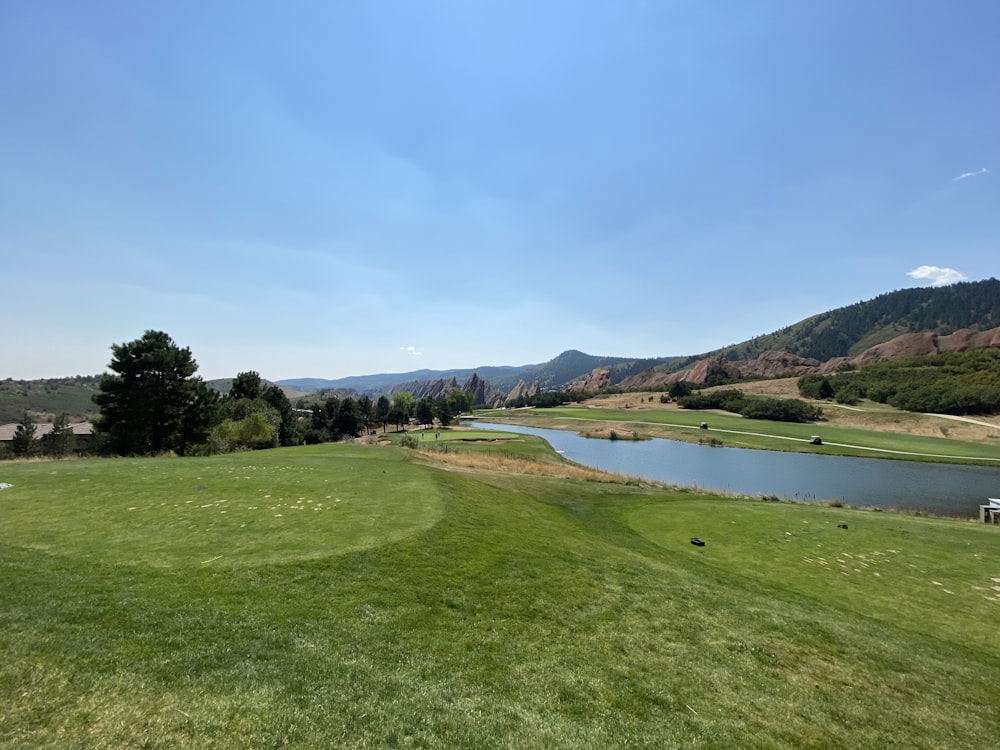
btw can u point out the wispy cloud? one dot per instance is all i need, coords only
(937, 276)
(411, 350)
(966, 175)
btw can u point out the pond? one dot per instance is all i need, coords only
(944, 489)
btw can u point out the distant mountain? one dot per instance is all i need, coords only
(385, 382)
(848, 331)
(573, 365)
(844, 332)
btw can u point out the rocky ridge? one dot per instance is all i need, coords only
(776, 364)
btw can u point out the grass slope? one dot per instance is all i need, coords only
(479, 609)
(46, 399)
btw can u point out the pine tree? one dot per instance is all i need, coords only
(59, 442)
(24, 442)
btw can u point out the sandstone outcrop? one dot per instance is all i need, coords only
(522, 391)
(478, 389)
(599, 377)
(435, 389)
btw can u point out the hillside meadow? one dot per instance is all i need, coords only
(476, 592)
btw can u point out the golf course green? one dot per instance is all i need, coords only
(471, 592)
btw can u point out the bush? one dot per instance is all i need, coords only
(816, 387)
(753, 407)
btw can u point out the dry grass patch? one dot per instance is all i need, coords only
(496, 462)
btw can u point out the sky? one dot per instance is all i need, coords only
(325, 189)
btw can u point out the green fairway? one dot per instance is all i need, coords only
(438, 606)
(241, 509)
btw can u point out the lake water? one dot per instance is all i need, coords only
(945, 489)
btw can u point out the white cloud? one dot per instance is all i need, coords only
(966, 175)
(937, 276)
(411, 350)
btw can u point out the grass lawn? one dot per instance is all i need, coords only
(234, 602)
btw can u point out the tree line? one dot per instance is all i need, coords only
(27, 442)
(752, 407)
(152, 402)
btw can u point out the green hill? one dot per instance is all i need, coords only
(848, 331)
(45, 399)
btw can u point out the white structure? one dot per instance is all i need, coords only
(990, 513)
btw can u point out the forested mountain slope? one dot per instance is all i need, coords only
(847, 331)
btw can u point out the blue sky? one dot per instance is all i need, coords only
(323, 189)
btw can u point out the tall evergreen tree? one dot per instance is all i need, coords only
(60, 441)
(149, 401)
(24, 442)
(383, 407)
(246, 385)
(289, 431)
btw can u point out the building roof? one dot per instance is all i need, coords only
(42, 429)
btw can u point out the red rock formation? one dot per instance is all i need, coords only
(773, 363)
(600, 377)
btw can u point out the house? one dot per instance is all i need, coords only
(81, 432)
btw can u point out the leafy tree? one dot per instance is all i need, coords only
(24, 442)
(548, 400)
(459, 401)
(680, 389)
(426, 410)
(148, 401)
(397, 417)
(753, 407)
(252, 432)
(815, 386)
(249, 396)
(60, 441)
(442, 410)
(406, 405)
